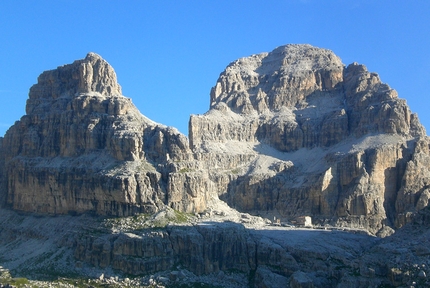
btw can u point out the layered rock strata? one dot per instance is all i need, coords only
(83, 147)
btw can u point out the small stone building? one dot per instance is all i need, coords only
(305, 221)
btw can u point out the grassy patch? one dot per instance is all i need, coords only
(182, 217)
(145, 221)
(18, 282)
(6, 279)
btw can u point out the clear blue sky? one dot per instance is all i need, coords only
(168, 54)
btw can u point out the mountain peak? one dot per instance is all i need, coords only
(91, 74)
(284, 77)
(92, 55)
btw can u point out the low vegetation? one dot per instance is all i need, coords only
(145, 221)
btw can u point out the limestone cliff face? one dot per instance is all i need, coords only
(289, 133)
(328, 140)
(82, 147)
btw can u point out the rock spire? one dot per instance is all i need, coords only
(91, 74)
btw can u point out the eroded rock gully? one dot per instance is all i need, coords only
(289, 133)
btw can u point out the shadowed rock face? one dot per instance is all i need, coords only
(289, 133)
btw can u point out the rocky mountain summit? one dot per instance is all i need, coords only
(290, 135)
(316, 138)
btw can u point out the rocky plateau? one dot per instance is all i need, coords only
(304, 172)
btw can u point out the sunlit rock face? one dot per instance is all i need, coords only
(300, 96)
(83, 147)
(328, 140)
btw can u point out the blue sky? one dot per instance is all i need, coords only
(168, 54)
